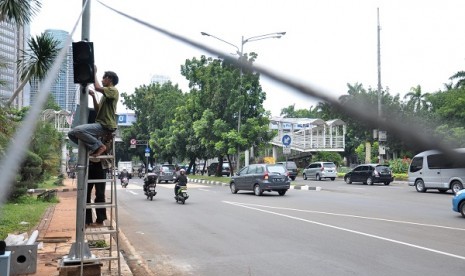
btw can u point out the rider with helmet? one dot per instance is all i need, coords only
(181, 180)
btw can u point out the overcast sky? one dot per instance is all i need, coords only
(327, 43)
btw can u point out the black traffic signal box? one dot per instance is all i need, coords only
(83, 62)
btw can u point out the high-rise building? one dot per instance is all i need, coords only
(64, 90)
(12, 43)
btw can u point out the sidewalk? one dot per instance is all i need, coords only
(57, 231)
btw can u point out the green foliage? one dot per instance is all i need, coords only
(399, 166)
(329, 156)
(46, 143)
(29, 176)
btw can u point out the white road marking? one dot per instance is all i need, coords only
(346, 230)
(205, 190)
(134, 193)
(351, 216)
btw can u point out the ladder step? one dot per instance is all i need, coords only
(99, 205)
(105, 258)
(101, 180)
(104, 157)
(100, 232)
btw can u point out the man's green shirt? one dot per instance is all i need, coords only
(106, 115)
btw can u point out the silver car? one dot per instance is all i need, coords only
(320, 170)
(261, 177)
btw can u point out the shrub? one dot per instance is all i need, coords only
(399, 165)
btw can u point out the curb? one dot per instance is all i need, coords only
(38, 191)
(305, 187)
(203, 181)
(293, 187)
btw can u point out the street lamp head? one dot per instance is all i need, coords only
(282, 33)
(204, 33)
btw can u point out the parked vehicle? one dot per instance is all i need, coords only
(226, 170)
(369, 174)
(458, 202)
(261, 177)
(433, 170)
(182, 195)
(166, 172)
(291, 168)
(320, 170)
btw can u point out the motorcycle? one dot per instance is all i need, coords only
(181, 195)
(141, 174)
(150, 183)
(124, 182)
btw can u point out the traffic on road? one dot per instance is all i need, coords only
(339, 229)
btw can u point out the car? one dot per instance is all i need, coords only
(458, 202)
(320, 170)
(432, 169)
(226, 170)
(291, 168)
(261, 177)
(165, 172)
(369, 174)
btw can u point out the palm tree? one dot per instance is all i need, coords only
(417, 100)
(461, 79)
(35, 62)
(19, 11)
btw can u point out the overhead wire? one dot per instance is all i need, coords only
(16, 150)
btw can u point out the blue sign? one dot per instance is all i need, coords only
(286, 140)
(147, 150)
(121, 119)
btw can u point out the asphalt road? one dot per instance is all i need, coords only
(341, 230)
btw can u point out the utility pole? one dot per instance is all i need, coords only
(80, 249)
(380, 114)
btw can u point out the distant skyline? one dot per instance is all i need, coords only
(327, 43)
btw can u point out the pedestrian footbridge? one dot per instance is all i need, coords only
(310, 135)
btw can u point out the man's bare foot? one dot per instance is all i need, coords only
(99, 151)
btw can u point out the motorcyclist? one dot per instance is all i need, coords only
(181, 180)
(150, 178)
(122, 175)
(139, 170)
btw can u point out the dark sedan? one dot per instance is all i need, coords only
(261, 177)
(369, 174)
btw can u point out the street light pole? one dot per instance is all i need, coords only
(241, 55)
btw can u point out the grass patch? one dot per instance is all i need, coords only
(25, 209)
(51, 183)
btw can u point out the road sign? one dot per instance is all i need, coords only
(133, 141)
(147, 154)
(286, 150)
(286, 140)
(147, 150)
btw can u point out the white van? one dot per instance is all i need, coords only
(434, 170)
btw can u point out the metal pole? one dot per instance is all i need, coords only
(80, 250)
(238, 163)
(379, 87)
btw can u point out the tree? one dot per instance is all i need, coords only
(460, 77)
(417, 100)
(36, 61)
(154, 107)
(19, 11)
(291, 112)
(222, 92)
